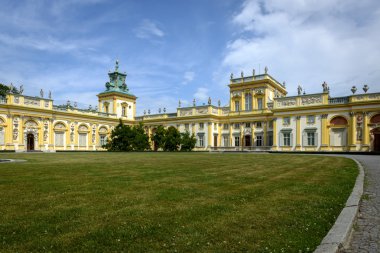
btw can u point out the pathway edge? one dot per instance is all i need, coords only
(339, 235)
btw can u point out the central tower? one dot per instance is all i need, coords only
(117, 99)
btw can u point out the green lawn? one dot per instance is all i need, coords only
(170, 202)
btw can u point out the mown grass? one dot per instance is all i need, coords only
(170, 202)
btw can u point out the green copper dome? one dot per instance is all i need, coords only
(117, 82)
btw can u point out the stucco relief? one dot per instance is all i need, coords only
(225, 111)
(287, 102)
(311, 100)
(31, 124)
(83, 128)
(31, 101)
(46, 130)
(202, 111)
(15, 128)
(186, 112)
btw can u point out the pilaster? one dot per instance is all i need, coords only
(209, 134)
(324, 133)
(274, 147)
(365, 130)
(230, 138)
(352, 132)
(298, 133)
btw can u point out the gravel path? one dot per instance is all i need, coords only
(366, 234)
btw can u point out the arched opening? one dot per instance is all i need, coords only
(338, 120)
(376, 139)
(338, 131)
(375, 119)
(30, 142)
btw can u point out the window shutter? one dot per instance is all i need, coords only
(281, 139)
(316, 138)
(304, 138)
(291, 139)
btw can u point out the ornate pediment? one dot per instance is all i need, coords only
(60, 126)
(31, 124)
(103, 130)
(83, 128)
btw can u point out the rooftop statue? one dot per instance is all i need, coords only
(299, 90)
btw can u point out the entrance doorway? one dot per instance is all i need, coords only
(247, 140)
(30, 142)
(376, 142)
(215, 140)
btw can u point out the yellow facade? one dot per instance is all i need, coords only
(260, 117)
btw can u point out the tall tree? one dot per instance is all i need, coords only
(172, 139)
(159, 138)
(187, 141)
(140, 141)
(127, 138)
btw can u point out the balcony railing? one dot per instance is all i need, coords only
(339, 100)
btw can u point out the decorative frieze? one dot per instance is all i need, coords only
(311, 100)
(201, 111)
(32, 101)
(286, 102)
(188, 112)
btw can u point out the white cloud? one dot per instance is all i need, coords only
(201, 94)
(148, 29)
(308, 42)
(188, 77)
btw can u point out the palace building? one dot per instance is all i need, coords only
(260, 117)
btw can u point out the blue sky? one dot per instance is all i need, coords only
(175, 49)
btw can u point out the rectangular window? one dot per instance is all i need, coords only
(225, 126)
(187, 127)
(225, 141)
(271, 124)
(237, 106)
(248, 102)
(310, 119)
(201, 141)
(82, 140)
(311, 139)
(237, 141)
(260, 103)
(286, 137)
(258, 124)
(247, 125)
(123, 111)
(102, 140)
(259, 140)
(236, 126)
(201, 126)
(59, 139)
(286, 121)
(215, 126)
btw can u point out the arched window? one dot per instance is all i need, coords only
(338, 132)
(103, 136)
(82, 135)
(106, 107)
(338, 120)
(59, 134)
